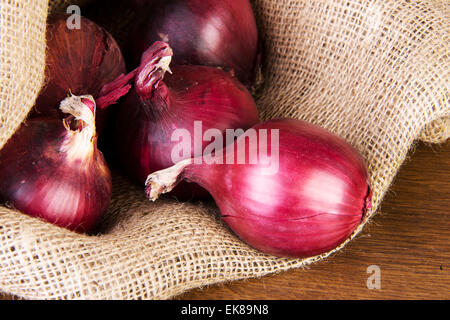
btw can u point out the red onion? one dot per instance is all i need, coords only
(160, 104)
(52, 169)
(217, 33)
(80, 61)
(304, 197)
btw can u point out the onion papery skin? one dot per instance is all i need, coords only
(147, 118)
(313, 203)
(79, 61)
(216, 33)
(48, 172)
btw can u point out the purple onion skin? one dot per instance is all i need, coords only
(216, 33)
(314, 203)
(191, 93)
(80, 61)
(38, 179)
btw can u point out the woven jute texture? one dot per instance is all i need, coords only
(436, 132)
(374, 72)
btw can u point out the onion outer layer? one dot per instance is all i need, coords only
(311, 205)
(168, 100)
(215, 33)
(52, 169)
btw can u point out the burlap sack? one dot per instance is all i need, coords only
(374, 72)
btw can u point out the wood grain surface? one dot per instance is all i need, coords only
(408, 241)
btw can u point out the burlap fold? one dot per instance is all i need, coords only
(437, 131)
(374, 72)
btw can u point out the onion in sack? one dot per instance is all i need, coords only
(191, 100)
(296, 190)
(81, 61)
(217, 33)
(52, 169)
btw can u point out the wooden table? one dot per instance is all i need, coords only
(408, 242)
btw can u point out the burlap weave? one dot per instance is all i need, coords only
(374, 72)
(437, 131)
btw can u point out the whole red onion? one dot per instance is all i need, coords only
(217, 33)
(160, 104)
(52, 169)
(300, 192)
(80, 61)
